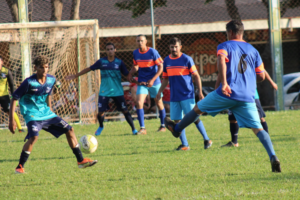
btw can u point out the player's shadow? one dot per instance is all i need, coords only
(8, 141)
(34, 159)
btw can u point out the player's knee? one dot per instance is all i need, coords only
(197, 110)
(232, 121)
(33, 139)
(197, 121)
(177, 121)
(262, 119)
(70, 133)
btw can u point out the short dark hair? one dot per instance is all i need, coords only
(41, 60)
(141, 35)
(110, 43)
(236, 26)
(174, 40)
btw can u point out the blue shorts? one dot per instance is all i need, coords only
(119, 101)
(56, 126)
(245, 113)
(141, 89)
(177, 108)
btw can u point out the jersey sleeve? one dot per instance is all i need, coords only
(223, 50)
(123, 68)
(191, 66)
(156, 57)
(96, 65)
(259, 65)
(21, 91)
(165, 73)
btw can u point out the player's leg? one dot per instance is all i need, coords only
(161, 109)
(141, 94)
(247, 116)
(4, 103)
(102, 107)
(121, 106)
(176, 114)
(262, 115)
(234, 130)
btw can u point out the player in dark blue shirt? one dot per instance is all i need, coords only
(33, 95)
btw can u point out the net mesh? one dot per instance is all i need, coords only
(63, 49)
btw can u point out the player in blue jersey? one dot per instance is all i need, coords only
(149, 64)
(234, 127)
(239, 66)
(179, 69)
(111, 69)
(33, 95)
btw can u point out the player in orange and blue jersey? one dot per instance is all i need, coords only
(239, 66)
(179, 69)
(148, 62)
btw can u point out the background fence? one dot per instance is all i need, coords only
(200, 24)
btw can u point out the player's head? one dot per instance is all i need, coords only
(110, 49)
(175, 46)
(141, 41)
(234, 28)
(41, 66)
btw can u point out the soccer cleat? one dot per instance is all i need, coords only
(207, 144)
(161, 129)
(183, 148)
(134, 132)
(20, 170)
(142, 131)
(275, 163)
(21, 131)
(170, 125)
(230, 144)
(98, 131)
(86, 163)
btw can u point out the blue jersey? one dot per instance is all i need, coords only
(32, 97)
(110, 76)
(179, 71)
(243, 62)
(147, 62)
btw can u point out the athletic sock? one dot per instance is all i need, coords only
(140, 114)
(187, 120)
(183, 138)
(234, 130)
(23, 158)
(265, 126)
(129, 120)
(201, 129)
(266, 141)
(17, 120)
(77, 153)
(100, 120)
(162, 115)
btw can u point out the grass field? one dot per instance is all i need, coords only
(147, 167)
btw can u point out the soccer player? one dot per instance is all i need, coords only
(234, 127)
(178, 70)
(32, 95)
(111, 69)
(239, 66)
(148, 62)
(6, 80)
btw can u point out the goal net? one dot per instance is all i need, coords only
(70, 46)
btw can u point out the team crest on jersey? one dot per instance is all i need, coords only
(34, 128)
(116, 66)
(48, 89)
(3, 75)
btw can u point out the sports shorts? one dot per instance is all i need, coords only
(177, 108)
(260, 110)
(141, 89)
(5, 103)
(119, 101)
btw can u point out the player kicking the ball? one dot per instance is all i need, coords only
(239, 66)
(148, 62)
(178, 70)
(111, 87)
(32, 95)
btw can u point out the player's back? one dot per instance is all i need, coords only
(243, 62)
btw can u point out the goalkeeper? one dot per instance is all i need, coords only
(5, 81)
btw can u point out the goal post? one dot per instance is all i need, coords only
(70, 46)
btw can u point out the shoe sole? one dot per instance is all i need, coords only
(85, 166)
(170, 128)
(19, 172)
(183, 149)
(276, 166)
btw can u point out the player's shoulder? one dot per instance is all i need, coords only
(136, 51)
(51, 78)
(186, 57)
(151, 50)
(118, 60)
(167, 58)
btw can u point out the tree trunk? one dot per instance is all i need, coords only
(57, 7)
(75, 10)
(232, 9)
(13, 6)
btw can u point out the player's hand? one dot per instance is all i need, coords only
(158, 96)
(150, 83)
(143, 83)
(70, 77)
(12, 126)
(226, 90)
(274, 85)
(201, 96)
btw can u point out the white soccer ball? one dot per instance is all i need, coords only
(88, 144)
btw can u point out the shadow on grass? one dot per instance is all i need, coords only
(34, 159)
(47, 138)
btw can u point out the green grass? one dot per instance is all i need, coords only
(147, 167)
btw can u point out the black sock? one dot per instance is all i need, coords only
(23, 158)
(100, 120)
(265, 126)
(129, 120)
(234, 130)
(78, 154)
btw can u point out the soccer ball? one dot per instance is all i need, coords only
(88, 144)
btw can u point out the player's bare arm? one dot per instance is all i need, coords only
(198, 83)
(274, 85)
(73, 76)
(49, 102)
(133, 70)
(12, 123)
(218, 82)
(164, 84)
(222, 68)
(260, 76)
(158, 73)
